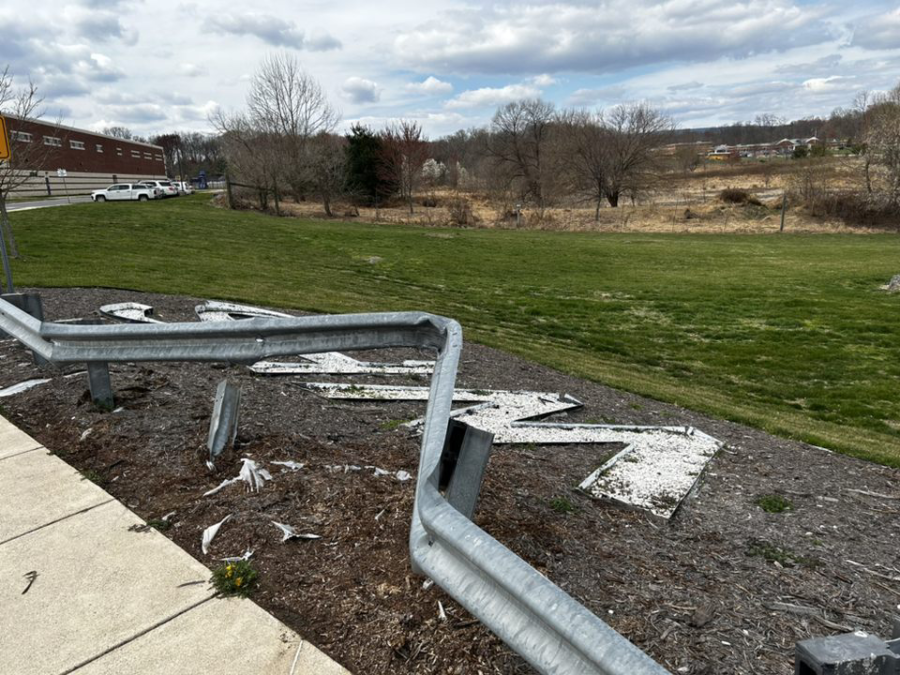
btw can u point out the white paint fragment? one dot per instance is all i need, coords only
(335, 363)
(656, 471)
(14, 389)
(289, 532)
(212, 310)
(131, 312)
(442, 615)
(85, 434)
(403, 475)
(211, 532)
(225, 483)
(290, 464)
(246, 556)
(251, 473)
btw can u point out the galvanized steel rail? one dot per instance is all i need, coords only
(547, 627)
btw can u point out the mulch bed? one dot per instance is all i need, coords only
(725, 587)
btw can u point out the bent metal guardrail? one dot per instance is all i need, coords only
(547, 627)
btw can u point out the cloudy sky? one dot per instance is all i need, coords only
(161, 66)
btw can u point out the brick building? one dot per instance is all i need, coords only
(90, 160)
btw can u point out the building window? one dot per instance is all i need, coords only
(119, 151)
(135, 153)
(99, 148)
(21, 136)
(76, 145)
(158, 158)
(53, 140)
(148, 155)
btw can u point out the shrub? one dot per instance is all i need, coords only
(774, 503)
(562, 505)
(737, 196)
(235, 578)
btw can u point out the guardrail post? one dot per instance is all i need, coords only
(856, 653)
(223, 425)
(463, 462)
(98, 381)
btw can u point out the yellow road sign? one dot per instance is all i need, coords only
(4, 140)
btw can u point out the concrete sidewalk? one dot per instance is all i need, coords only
(108, 599)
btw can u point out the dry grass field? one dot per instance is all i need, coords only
(676, 202)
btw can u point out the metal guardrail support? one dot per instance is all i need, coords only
(224, 421)
(463, 463)
(547, 627)
(99, 384)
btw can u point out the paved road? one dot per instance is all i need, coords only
(46, 203)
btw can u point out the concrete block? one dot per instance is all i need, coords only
(220, 636)
(848, 654)
(13, 440)
(63, 491)
(98, 585)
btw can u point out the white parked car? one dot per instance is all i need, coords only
(184, 187)
(166, 187)
(126, 192)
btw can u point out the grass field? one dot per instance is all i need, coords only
(788, 333)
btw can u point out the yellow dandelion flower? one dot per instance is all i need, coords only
(238, 581)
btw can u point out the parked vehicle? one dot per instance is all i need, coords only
(167, 187)
(126, 192)
(184, 187)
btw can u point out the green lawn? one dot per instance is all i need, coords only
(788, 333)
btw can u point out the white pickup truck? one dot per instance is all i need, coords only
(126, 192)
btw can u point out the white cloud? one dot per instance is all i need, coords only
(270, 29)
(430, 86)
(820, 85)
(361, 90)
(492, 97)
(878, 31)
(543, 80)
(605, 37)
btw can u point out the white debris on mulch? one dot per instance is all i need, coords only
(251, 473)
(14, 389)
(212, 310)
(246, 556)
(656, 471)
(335, 363)
(289, 465)
(210, 532)
(132, 312)
(289, 532)
(376, 471)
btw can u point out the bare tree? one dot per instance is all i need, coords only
(20, 106)
(587, 146)
(327, 167)
(883, 143)
(404, 151)
(287, 102)
(636, 132)
(119, 132)
(520, 144)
